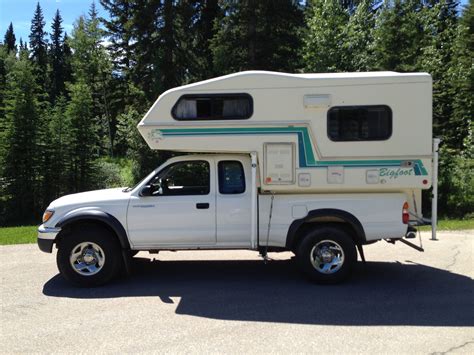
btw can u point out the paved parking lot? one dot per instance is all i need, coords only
(401, 301)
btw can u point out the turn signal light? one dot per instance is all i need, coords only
(405, 214)
(47, 215)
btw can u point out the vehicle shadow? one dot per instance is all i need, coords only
(380, 293)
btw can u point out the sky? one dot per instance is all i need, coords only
(20, 13)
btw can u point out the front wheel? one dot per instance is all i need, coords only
(327, 255)
(89, 256)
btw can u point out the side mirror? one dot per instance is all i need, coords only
(147, 190)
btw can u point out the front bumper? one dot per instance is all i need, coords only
(46, 238)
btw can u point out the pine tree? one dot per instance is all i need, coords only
(440, 23)
(10, 39)
(119, 33)
(146, 47)
(461, 71)
(258, 35)
(399, 35)
(22, 170)
(57, 59)
(358, 38)
(324, 46)
(67, 55)
(91, 64)
(208, 13)
(83, 135)
(57, 172)
(38, 47)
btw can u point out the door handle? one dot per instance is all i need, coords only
(202, 206)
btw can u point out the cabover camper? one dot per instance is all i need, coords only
(316, 164)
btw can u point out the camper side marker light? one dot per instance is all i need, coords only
(405, 214)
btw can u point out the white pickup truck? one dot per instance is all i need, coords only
(344, 174)
(204, 202)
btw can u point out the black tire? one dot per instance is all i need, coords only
(332, 242)
(100, 244)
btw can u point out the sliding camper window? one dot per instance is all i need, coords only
(213, 107)
(182, 178)
(359, 123)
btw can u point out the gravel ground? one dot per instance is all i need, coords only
(401, 301)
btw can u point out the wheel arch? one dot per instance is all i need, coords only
(325, 216)
(100, 218)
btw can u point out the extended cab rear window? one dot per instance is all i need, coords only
(213, 107)
(359, 123)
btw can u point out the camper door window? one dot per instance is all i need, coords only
(359, 123)
(213, 107)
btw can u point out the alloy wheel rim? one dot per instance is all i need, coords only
(327, 257)
(87, 258)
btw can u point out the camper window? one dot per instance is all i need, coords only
(231, 177)
(359, 123)
(213, 107)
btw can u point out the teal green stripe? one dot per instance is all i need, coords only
(305, 146)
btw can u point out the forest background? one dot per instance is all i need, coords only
(70, 102)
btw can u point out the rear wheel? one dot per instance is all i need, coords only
(89, 256)
(327, 255)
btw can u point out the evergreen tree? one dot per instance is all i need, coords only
(91, 64)
(146, 48)
(358, 38)
(83, 135)
(258, 35)
(440, 24)
(38, 47)
(67, 62)
(325, 42)
(57, 59)
(58, 171)
(22, 170)
(119, 32)
(462, 73)
(208, 13)
(10, 39)
(399, 35)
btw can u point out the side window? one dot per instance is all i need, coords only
(183, 178)
(359, 123)
(231, 177)
(213, 107)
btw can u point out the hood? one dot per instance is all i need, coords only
(90, 198)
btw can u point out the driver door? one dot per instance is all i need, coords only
(179, 209)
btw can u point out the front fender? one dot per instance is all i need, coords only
(100, 216)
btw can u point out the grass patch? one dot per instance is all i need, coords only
(27, 234)
(452, 225)
(18, 235)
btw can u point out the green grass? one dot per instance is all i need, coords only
(27, 234)
(18, 235)
(452, 225)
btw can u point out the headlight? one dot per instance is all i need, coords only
(47, 215)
